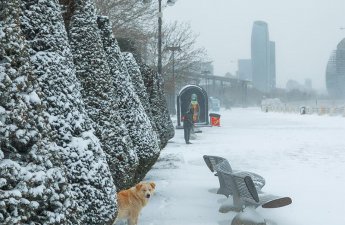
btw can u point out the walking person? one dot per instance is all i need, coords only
(187, 125)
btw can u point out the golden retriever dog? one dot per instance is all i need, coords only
(132, 200)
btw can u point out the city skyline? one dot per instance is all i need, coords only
(305, 32)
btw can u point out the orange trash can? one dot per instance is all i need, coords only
(215, 119)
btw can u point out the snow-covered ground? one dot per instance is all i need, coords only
(301, 156)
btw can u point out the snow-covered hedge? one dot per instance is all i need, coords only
(53, 169)
(99, 93)
(159, 110)
(129, 105)
(142, 131)
(138, 84)
(26, 173)
(74, 124)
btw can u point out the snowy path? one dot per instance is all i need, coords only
(299, 156)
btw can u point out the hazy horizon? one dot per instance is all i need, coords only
(305, 33)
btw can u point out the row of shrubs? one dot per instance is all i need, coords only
(79, 118)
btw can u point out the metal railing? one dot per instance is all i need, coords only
(309, 110)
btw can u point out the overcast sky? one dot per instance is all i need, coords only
(305, 32)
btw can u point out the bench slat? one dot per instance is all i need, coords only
(273, 201)
(211, 161)
(259, 181)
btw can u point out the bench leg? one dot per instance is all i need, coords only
(248, 217)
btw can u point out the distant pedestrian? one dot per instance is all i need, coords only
(187, 125)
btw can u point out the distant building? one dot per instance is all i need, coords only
(206, 68)
(293, 85)
(308, 84)
(272, 80)
(245, 69)
(260, 53)
(335, 72)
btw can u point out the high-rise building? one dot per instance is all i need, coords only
(272, 80)
(260, 52)
(335, 72)
(244, 69)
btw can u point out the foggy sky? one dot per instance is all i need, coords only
(305, 32)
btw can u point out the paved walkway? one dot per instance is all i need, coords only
(299, 156)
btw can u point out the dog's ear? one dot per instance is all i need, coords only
(153, 185)
(138, 186)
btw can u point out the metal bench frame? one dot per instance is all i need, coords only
(211, 162)
(244, 191)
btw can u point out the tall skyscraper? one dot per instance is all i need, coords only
(272, 80)
(335, 72)
(260, 52)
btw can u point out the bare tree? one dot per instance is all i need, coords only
(177, 65)
(135, 26)
(136, 20)
(187, 60)
(132, 19)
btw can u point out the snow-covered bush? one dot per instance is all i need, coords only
(99, 93)
(27, 176)
(129, 105)
(154, 87)
(138, 84)
(91, 184)
(72, 123)
(53, 170)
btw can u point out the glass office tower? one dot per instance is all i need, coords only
(335, 72)
(272, 80)
(260, 53)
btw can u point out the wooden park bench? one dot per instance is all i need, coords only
(245, 194)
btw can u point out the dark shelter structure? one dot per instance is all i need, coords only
(193, 96)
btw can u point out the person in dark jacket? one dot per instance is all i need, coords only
(187, 125)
